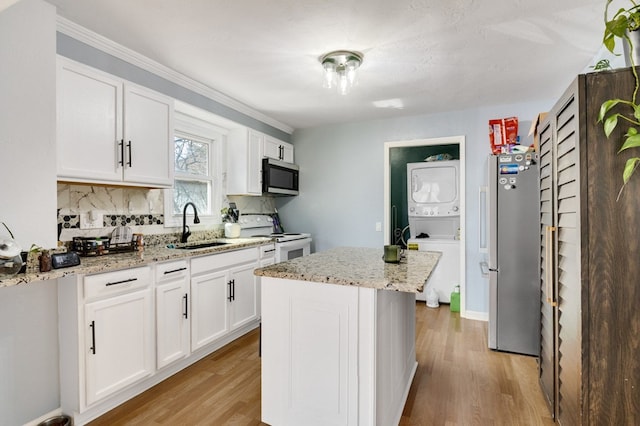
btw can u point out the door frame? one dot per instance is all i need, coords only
(449, 140)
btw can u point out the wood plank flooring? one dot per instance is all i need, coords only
(459, 382)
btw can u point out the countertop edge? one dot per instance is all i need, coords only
(112, 262)
(301, 269)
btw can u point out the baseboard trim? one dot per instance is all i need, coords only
(475, 315)
(36, 422)
(405, 394)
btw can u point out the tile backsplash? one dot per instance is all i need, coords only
(76, 199)
(140, 208)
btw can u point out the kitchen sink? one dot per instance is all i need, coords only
(197, 246)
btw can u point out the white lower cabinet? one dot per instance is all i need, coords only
(123, 332)
(172, 312)
(243, 301)
(267, 257)
(223, 290)
(118, 331)
(209, 319)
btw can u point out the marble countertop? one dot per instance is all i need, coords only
(150, 254)
(361, 267)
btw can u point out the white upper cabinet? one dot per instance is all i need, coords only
(148, 137)
(245, 150)
(244, 162)
(110, 130)
(278, 150)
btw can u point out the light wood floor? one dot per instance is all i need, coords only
(459, 382)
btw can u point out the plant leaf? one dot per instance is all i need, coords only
(606, 106)
(631, 141)
(629, 168)
(636, 112)
(609, 42)
(610, 124)
(618, 25)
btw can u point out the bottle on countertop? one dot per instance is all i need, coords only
(45, 261)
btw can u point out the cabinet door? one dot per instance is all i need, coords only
(265, 261)
(172, 321)
(244, 162)
(89, 124)
(287, 152)
(254, 176)
(209, 320)
(278, 150)
(118, 343)
(272, 148)
(547, 364)
(244, 301)
(148, 137)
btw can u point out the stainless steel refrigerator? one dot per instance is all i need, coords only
(514, 234)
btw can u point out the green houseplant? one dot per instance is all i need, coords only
(622, 25)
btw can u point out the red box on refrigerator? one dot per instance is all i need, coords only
(502, 133)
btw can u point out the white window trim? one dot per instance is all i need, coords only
(188, 125)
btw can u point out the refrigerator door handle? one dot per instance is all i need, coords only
(483, 218)
(484, 269)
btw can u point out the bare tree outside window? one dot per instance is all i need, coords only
(192, 157)
(192, 170)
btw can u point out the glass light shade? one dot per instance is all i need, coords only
(340, 69)
(329, 74)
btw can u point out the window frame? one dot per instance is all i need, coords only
(189, 127)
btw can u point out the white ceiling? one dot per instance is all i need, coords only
(420, 56)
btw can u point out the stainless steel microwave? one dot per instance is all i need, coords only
(279, 178)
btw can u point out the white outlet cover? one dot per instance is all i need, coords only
(87, 223)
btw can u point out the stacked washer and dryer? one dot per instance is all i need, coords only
(433, 196)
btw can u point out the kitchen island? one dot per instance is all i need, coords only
(338, 336)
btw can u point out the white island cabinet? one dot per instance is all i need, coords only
(338, 337)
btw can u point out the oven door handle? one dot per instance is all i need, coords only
(294, 243)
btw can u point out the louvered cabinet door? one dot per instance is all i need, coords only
(568, 273)
(546, 363)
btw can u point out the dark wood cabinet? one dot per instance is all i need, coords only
(589, 363)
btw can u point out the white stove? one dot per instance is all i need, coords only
(288, 245)
(281, 238)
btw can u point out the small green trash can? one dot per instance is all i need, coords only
(454, 304)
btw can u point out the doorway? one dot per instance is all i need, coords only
(396, 217)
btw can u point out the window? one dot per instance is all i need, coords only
(197, 147)
(192, 174)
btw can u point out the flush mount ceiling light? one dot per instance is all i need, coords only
(340, 69)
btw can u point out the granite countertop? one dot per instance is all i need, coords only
(361, 267)
(150, 254)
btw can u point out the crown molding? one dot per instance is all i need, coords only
(84, 35)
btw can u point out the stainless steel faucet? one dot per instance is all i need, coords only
(185, 229)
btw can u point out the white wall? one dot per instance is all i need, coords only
(341, 178)
(29, 385)
(27, 120)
